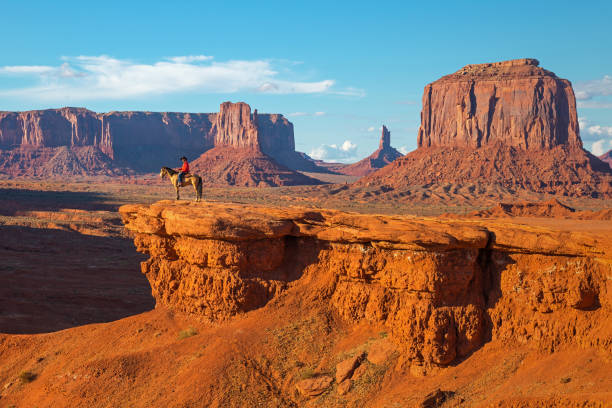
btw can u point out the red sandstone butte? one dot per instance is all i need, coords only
(513, 102)
(384, 155)
(507, 125)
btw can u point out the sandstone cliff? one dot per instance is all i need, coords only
(140, 141)
(509, 125)
(515, 103)
(384, 155)
(442, 288)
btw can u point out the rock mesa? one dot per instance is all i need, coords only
(140, 141)
(443, 288)
(508, 124)
(515, 103)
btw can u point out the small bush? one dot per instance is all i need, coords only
(183, 334)
(307, 373)
(27, 377)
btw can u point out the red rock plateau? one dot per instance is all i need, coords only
(510, 124)
(76, 141)
(607, 158)
(308, 307)
(384, 155)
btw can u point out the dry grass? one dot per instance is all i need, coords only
(190, 332)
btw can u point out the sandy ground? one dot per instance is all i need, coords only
(77, 314)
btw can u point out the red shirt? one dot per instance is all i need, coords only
(185, 168)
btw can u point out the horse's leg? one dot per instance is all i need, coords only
(194, 183)
(177, 193)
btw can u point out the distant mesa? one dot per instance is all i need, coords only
(510, 124)
(77, 141)
(384, 155)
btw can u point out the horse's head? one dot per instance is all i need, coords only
(162, 173)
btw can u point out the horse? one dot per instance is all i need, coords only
(193, 179)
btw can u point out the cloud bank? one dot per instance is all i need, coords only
(103, 77)
(598, 137)
(344, 153)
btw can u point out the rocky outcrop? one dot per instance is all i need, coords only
(377, 160)
(607, 158)
(515, 103)
(236, 127)
(142, 141)
(442, 288)
(508, 125)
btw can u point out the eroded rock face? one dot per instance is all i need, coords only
(442, 288)
(142, 141)
(515, 103)
(505, 126)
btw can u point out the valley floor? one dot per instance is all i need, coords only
(80, 327)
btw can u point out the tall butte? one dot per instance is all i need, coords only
(384, 155)
(511, 124)
(242, 152)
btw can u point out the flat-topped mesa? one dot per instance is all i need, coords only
(144, 140)
(441, 287)
(512, 103)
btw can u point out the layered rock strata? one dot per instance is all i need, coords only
(515, 102)
(442, 287)
(142, 141)
(510, 124)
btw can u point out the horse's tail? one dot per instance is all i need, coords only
(199, 188)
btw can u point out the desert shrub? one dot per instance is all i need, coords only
(307, 373)
(27, 377)
(183, 334)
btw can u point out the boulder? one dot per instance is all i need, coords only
(311, 387)
(345, 369)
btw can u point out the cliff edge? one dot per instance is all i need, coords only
(443, 288)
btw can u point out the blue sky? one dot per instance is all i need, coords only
(338, 70)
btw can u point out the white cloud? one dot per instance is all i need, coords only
(186, 59)
(403, 149)
(600, 130)
(344, 153)
(102, 77)
(295, 114)
(26, 69)
(601, 146)
(371, 129)
(598, 87)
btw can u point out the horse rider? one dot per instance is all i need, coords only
(183, 170)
